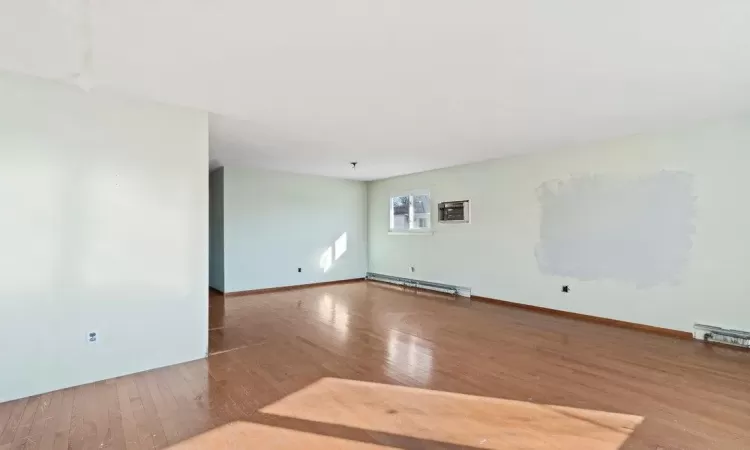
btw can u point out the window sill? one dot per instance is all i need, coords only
(411, 233)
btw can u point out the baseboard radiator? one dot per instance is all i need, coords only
(710, 333)
(420, 284)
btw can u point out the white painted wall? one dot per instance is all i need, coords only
(495, 253)
(276, 222)
(103, 228)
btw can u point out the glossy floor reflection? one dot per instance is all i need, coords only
(466, 420)
(409, 355)
(271, 345)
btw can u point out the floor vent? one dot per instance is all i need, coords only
(721, 335)
(420, 284)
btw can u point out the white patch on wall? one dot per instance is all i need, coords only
(636, 230)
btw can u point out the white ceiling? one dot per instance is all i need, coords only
(399, 85)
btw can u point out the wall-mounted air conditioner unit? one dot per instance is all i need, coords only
(453, 212)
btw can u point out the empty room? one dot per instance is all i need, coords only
(374, 224)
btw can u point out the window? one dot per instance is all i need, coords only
(411, 212)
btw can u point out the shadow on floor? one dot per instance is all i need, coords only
(349, 414)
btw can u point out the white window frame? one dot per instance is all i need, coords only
(410, 231)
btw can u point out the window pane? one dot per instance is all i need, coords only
(421, 212)
(400, 213)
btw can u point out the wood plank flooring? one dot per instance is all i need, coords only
(684, 394)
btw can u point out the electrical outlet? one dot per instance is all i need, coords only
(299, 269)
(92, 337)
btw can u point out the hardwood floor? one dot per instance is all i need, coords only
(609, 386)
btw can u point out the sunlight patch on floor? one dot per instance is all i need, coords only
(480, 422)
(245, 435)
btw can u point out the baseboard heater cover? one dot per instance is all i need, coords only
(420, 284)
(719, 335)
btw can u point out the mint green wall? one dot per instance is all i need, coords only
(277, 222)
(104, 228)
(496, 254)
